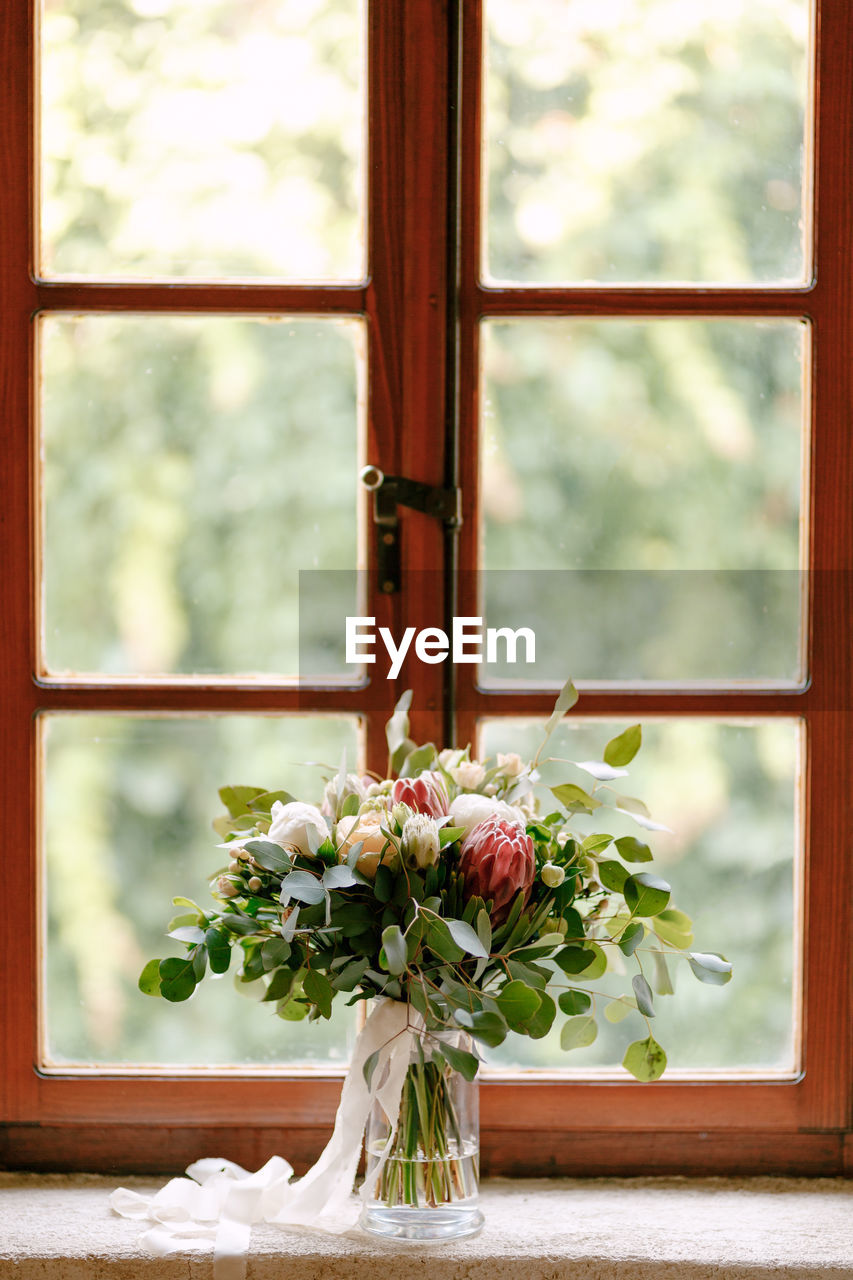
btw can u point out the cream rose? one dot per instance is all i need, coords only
(376, 845)
(468, 773)
(291, 824)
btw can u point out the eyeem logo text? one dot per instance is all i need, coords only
(465, 643)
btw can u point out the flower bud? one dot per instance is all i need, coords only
(421, 844)
(255, 884)
(234, 867)
(401, 814)
(227, 887)
(552, 875)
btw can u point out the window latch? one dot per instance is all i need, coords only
(391, 492)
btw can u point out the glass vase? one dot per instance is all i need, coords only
(428, 1188)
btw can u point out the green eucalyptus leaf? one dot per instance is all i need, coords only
(218, 950)
(275, 952)
(616, 1010)
(674, 927)
(596, 842)
(622, 749)
(645, 1059)
(149, 978)
(575, 958)
(577, 1033)
(566, 699)
(187, 933)
(418, 760)
(518, 1002)
(447, 835)
(339, 877)
(574, 1002)
(303, 886)
(292, 1010)
(177, 979)
(467, 1064)
(632, 937)
(709, 967)
(574, 798)
(370, 1066)
(633, 850)
(466, 938)
(264, 802)
(484, 930)
(394, 949)
(439, 940)
(269, 855)
(397, 728)
(612, 875)
(383, 884)
(236, 799)
(319, 991)
(488, 1027)
(542, 1020)
(199, 961)
(646, 894)
(281, 985)
(661, 982)
(643, 995)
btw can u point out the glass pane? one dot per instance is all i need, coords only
(203, 139)
(654, 469)
(182, 490)
(646, 140)
(730, 793)
(128, 803)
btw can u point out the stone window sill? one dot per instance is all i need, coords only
(550, 1229)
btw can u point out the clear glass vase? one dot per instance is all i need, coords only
(429, 1186)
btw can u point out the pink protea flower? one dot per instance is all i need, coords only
(425, 794)
(497, 861)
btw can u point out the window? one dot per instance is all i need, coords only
(486, 297)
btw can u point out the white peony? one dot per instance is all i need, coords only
(469, 810)
(292, 822)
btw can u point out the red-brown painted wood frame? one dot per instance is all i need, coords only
(124, 1122)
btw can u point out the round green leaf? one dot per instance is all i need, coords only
(149, 978)
(645, 1060)
(578, 1032)
(631, 938)
(518, 1003)
(575, 958)
(612, 875)
(177, 980)
(646, 894)
(574, 1002)
(616, 1010)
(543, 1019)
(488, 1027)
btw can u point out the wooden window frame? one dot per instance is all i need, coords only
(424, 302)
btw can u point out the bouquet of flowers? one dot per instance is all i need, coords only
(449, 888)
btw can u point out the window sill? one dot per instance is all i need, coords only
(597, 1229)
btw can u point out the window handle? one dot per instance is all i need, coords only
(391, 492)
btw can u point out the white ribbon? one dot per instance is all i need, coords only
(222, 1200)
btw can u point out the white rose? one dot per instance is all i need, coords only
(469, 810)
(510, 765)
(291, 824)
(450, 757)
(468, 773)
